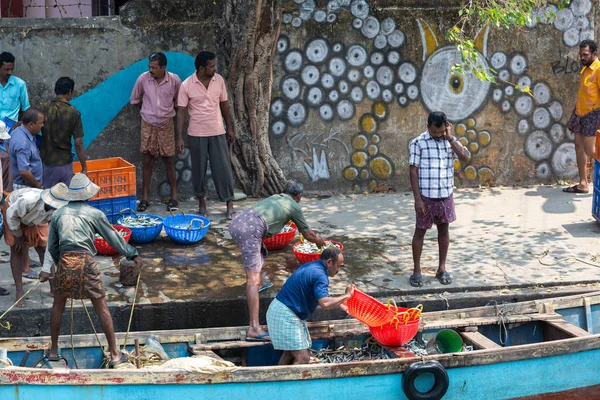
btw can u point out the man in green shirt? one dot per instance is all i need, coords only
(248, 230)
(71, 247)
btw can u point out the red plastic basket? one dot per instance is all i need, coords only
(102, 246)
(280, 240)
(304, 258)
(394, 335)
(368, 310)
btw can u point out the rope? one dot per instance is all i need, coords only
(95, 332)
(7, 325)
(73, 341)
(569, 259)
(132, 308)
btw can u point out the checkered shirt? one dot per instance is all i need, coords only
(435, 159)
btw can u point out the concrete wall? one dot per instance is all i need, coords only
(104, 57)
(356, 80)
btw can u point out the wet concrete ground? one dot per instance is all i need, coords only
(497, 243)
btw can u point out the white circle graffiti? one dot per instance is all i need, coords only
(543, 170)
(412, 92)
(387, 26)
(282, 44)
(523, 127)
(315, 97)
(337, 66)
(393, 57)
(380, 41)
(564, 19)
(291, 88)
(497, 95)
(564, 162)
(327, 81)
(360, 9)
(368, 72)
(334, 96)
(524, 105)
(326, 112)
(498, 60)
(524, 81)
(438, 92)
(343, 87)
(541, 118)
(373, 90)
(385, 76)
(398, 88)
(571, 37)
(296, 114)
(518, 64)
(354, 75)
(407, 72)
(387, 96)
(370, 28)
(376, 58)
(317, 50)
(278, 128)
(293, 61)
(356, 94)
(310, 75)
(556, 110)
(320, 16)
(357, 23)
(356, 55)
(557, 133)
(538, 146)
(396, 38)
(345, 110)
(277, 108)
(542, 93)
(581, 7)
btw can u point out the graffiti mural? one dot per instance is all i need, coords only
(355, 84)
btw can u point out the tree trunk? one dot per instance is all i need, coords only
(249, 32)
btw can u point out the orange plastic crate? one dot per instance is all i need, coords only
(115, 176)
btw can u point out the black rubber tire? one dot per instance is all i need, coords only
(414, 370)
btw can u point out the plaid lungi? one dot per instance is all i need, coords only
(77, 276)
(437, 211)
(287, 331)
(585, 125)
(158, 140)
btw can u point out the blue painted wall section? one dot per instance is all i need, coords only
(100, 105)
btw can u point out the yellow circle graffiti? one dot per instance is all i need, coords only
(372, 150)
(486, 175)
(471, 135)
(364, 174)
(359, 142)
(380, 110)
(373, 186)
(381, 168)
(368, 124)
(359, 159)
(470, 122)
(473, 147)
(457, 165)
(460, 129)
(350, 173)
(464, 141)
(375, 139)
(484, 138)
(471, 173)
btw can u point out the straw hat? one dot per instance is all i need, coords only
(55, 195)
(81, 189)
(3, 131)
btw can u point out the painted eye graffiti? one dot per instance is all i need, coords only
(456, 83)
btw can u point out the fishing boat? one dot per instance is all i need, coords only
(549, 349)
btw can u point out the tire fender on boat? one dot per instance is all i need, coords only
(415, 370)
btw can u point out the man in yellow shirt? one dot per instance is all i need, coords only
(586, 117)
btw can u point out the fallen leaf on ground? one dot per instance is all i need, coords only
(157, 260)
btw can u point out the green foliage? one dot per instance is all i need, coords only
(509, 15)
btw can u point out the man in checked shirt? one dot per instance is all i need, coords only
(432, 181)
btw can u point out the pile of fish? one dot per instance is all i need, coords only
(311, 248)
(368, 351)
(121, 233)
(286, 228)
(140, 221)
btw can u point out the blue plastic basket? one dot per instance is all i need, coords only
(146, 234)
(176, 228)
(115, 208)
(596, 174)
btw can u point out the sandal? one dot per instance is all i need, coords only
(143, 206)
(121, 360)
(444, 277)
(575, 189)
(416, 280)
(32, 275)
(4, 292)
(229, 214)
(172, 205)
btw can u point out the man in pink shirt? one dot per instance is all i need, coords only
(157, 92)
(204, 96)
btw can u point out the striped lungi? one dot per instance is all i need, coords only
(287, 331)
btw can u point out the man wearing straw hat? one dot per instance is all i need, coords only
(26, 213)
(71, 246)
